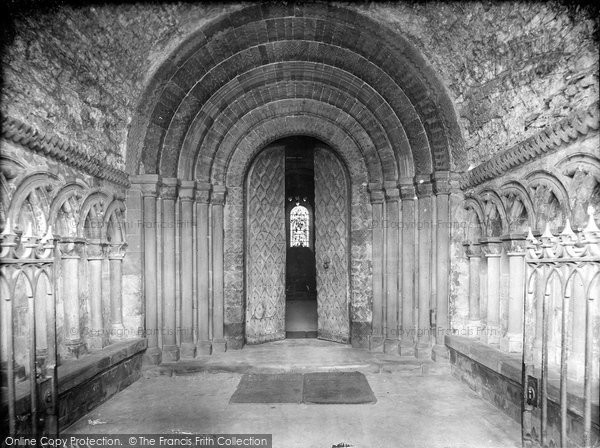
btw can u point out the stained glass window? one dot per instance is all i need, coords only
(299, 226)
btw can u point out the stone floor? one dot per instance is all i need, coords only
(413, 410)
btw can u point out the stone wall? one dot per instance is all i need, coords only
(78, 71)
(512, 68)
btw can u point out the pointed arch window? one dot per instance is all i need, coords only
(299, 226)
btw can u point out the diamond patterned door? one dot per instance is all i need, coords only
(331, 247)
(265, 250)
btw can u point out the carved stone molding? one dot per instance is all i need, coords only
(51, 146)
(548, 140)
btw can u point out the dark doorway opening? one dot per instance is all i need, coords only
(301, 292)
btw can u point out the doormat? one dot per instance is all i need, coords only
(269, 388)
(314, 388)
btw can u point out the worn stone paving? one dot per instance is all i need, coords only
(420, 411)
(415, 408)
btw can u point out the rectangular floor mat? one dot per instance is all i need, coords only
(315, 388)
(337, 388)
(269, 388)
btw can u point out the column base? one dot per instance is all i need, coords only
(512, 342)
(219, 346)
(153, 356)
(170, 353)
(117, 332)
(406, 348)
(97, 342)
(76, 348)
(423, 350)
(391, 346)
(376, 343)
(203, 348)
(491, 334)
(440, 353)
(188, 350)
(474, 329)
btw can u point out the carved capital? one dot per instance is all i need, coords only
(219, 192)
(407, 188)
(441, 182)
(514, 243)
(203, 190)
(186, 190)
(392, 193)
(472, 250)
(148, 184)
(116, 251)
(168, 188)
(71, 247)
(96, 249)
(424, 186)
(491, 247)
(376, 193)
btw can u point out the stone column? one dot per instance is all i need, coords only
(218, 231)
(71, 250)
(425, 213)
(514, 245)
(441, 188)
(149, 184)
(473, 251)
(409, 247)
(186, 197)
(492, 248)
(392, 195)
(115, 260)
(170, 351)
(377, 333)
(96, 252)
(203, 345)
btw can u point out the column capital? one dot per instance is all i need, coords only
(148, 184)
(203, 190)
(441, 182)
(71, 247)
(491, 247)
(472, 249)
(514, 243)
(219, 192)
(392, 192)
(116, 251)
(186, 190)
(376, 193)
(407, 188)
(424, 186)
(168, 188)
(96, 249)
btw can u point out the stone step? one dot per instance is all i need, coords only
(411, 367)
